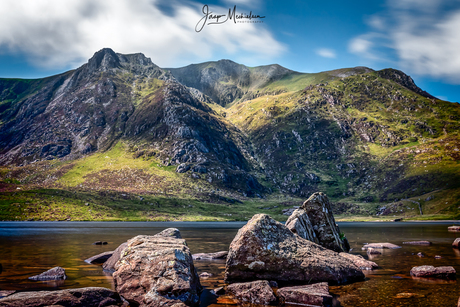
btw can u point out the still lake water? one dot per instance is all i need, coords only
(29, 248)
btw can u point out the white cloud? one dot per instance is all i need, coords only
(326, 53)
(54, 33)
(423, 37)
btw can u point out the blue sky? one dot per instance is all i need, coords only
(40, 38)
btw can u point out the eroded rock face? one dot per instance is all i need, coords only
(83, 297)
(157, 271)
(109, 265)
(56, 273)
(429, 271)
(308, 295)
(266, 249)
(299, 223)
(326, 232)
(255, 292)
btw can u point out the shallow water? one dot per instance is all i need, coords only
(29, 248)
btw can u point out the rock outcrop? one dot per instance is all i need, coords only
(315, 222)
(266, 249)
(56, 273)
(308, 295)
(83, 297)
(157, 271)
(256, 292)
(429, 271)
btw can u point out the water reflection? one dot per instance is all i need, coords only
(28, 249)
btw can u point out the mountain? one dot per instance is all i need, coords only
(219, 140)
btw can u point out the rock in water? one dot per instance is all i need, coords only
(169, 232)
(83, 297)
(326, 232)
(157, 271)
(360, 262)
(256, 292)
(308, 295)
(266, 249)
(56, 273)
(99, 258)
(429, 271)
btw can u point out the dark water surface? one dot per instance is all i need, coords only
(30, 248)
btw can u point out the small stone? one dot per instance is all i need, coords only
(219, 291)
(409, 295)
(381, 246)
(308, 295)
(417, 243)
(254, 292)
(420, 254)
(56, 273)
(205, 275)
(456, 243)
(437, 257)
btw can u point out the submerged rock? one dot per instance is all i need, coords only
(417, 243)
(157, 271)
(210, 256)
(429, 271)
(83, 297)
(308, 295)
(256, 292)
(266, 249)
(56, 273)
(381, 246)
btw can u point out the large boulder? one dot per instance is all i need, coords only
(266, 249)
(256, 292)
(109, 264)
(314, 221)
(157, 271)
(308, 295)
(83, 297)
(56, 273)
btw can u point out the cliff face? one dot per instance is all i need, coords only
(353, 133)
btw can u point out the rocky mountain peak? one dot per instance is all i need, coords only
(104, 60)
(403, 79)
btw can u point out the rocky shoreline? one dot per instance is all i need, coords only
(268, 263)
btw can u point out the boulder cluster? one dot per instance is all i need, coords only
(298, 260)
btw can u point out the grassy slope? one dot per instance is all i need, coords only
(116, 186)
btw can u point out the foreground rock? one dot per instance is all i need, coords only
(309, 295)
(360, 262)
(210, 256)
(109, 264)
(314, 221)
(99, 258)
(429, 271)
(83, 297)
(255, 292)
(157, 271)
(56, 273)
(266, 249)
(381, 246)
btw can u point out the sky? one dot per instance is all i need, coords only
(39, 38)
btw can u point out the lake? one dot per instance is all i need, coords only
(30, 248)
